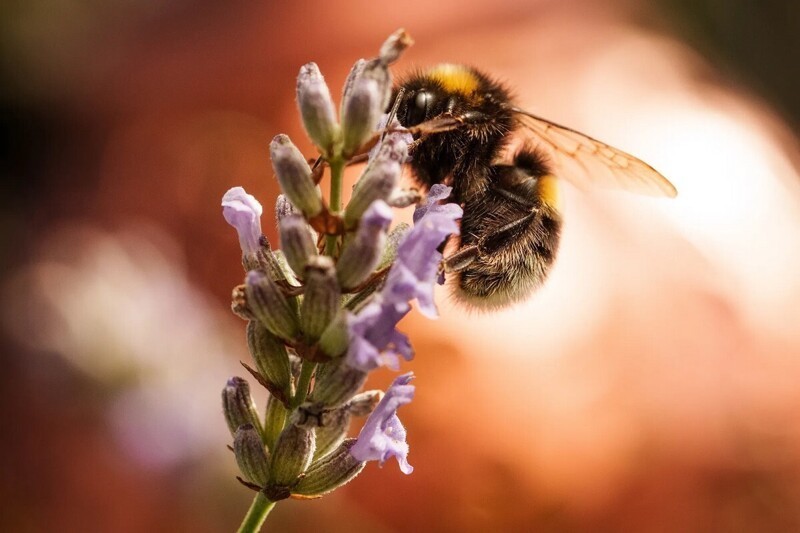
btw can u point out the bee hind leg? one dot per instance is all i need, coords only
(460, 259)
(509, 236)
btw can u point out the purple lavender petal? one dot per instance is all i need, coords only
(374, 341)
(418, 251)
(377, 214)
(243, 212)
(383, 435)
(417, 267)
(362, 355)
(437, 193)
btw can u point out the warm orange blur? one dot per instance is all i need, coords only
(652, 385)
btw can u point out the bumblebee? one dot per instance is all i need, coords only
(463, 122)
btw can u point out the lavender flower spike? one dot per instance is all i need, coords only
(383, 435)
(243, 212)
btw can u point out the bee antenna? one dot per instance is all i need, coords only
(393, 111)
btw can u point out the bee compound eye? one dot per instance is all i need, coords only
(417, 110)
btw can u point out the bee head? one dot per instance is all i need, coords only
(416, 107)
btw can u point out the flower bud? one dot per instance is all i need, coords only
(239, 303)
(336, 382)
(334, 339)
(364, 403)
(285, 272)
(316, 108)
(361, 112)
(269, 353)
(393, 241)
(250, 455)
(292, 454)
(404, 197)
(270, 306)
(321, 297)
(284, 208)
(331, 472)
(361, 255)
(243, 212)
(389, 255)
(297, 242)
(274, 421)
(352, 76)
(378, 181)
(378, 72)
(332, 431)
(294, 176)
(264, 259)
(238, 406)
(394, 46)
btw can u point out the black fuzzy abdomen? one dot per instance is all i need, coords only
(517, 242)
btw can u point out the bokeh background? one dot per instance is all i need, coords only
(652, 385)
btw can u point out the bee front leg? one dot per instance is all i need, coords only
(447, 122)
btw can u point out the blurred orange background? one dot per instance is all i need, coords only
(652, 385)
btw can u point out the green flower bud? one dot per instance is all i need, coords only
(332, 431)
(292, 454)
(285, 209)
(361, 112)
(264, 258)
(270, 306)
(334, 339)
(297, 242)
(330, 473)
(378, 181)
(364, 403)
(270, 355)
(404, 197)
(238, 406)
(294, 176)
(336, 382)
(251, 455)
(321, 297)
(286, 272)
(392, 242)
(274, 422)
(389, 254)
(239, 303)
(317, 109)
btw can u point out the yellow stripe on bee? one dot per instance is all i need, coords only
(455, 78)
(548, 192)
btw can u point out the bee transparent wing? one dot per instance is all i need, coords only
(585, 161)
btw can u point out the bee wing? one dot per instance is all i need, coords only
(585, 161)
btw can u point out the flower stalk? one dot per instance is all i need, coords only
(337, 165)
(257, 514)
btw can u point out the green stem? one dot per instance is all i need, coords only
(256, 515)
(306, 372)
(337, 175)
